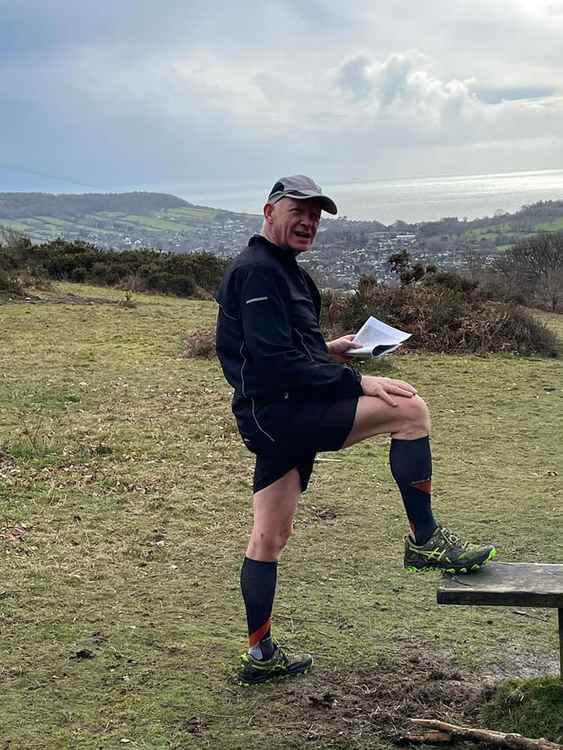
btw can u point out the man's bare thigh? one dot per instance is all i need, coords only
(409, 419)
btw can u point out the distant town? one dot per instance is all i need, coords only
(344, 250)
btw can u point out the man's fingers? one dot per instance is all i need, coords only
(385, 396)
(401, 391)
(403, 384)
(386, 388)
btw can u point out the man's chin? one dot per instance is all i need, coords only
(300, 246)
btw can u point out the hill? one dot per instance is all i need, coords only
(125, 220)
(28, 205)
(344, 250)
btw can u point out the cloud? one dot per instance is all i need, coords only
(400, 98)
(354, 77)
(401, 88)
(133, 93)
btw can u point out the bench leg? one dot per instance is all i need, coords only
(560, 623)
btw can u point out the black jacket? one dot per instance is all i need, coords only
(268, 337)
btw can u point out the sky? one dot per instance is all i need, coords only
(138, 94)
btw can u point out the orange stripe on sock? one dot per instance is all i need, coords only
(424, 486)
(255, 638)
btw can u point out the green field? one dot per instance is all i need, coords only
(45, 228)
(197, 213)
(551, 226)
(124, 513)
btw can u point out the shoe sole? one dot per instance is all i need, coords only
(274, 677)
(452, 570)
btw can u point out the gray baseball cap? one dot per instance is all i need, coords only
(301, 188)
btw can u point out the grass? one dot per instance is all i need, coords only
(533, 708)
(154, 222)
(551, 226)
(17, 226)
(489, 232)
(199, 213)
(124, 513)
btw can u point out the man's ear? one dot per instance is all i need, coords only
(268, 210)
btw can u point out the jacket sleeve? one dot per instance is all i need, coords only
(279, 365)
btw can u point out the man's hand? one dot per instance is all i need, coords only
(337, 348)
(386, 388)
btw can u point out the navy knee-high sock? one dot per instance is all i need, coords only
(411, 466)
(258, 585)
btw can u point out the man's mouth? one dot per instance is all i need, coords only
(303, 235)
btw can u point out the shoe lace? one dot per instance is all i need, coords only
(453, 538)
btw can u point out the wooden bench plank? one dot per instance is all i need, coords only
(506, 584)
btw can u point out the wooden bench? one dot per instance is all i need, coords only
(509, 585)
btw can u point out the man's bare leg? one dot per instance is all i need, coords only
(406, 418)
(274, 510)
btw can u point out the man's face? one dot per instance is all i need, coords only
(293, 223)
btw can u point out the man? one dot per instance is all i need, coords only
(294, 396)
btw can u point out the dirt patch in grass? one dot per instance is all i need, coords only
(62, 299)
(200, 343)
(361, 704)
(365, 706)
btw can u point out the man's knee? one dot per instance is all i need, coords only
(269, 543)
(414, 415)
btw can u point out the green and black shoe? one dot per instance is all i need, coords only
(254, 671)
(446, 551)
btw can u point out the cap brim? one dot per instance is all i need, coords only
(327, 204)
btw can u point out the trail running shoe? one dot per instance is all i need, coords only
(446, 551)
(254, 671)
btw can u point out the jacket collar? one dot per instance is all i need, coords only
(286, 255)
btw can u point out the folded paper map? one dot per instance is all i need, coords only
(376, 339)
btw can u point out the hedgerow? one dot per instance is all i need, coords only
(174, 273)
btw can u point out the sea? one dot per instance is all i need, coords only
(409, 200)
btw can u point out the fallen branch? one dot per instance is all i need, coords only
(440, 732)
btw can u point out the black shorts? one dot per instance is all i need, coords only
(288, 433)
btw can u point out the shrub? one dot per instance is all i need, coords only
(452, 280)
(9, 284)
(200, 343)
(443, 319)
(184, 275)
(181, 285)
(107, 273)
(78, 274)
(132, 283)
(205, 269)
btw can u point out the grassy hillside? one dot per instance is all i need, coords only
(125, 220)
(122, 220)
(124, 512)
(113, 224)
